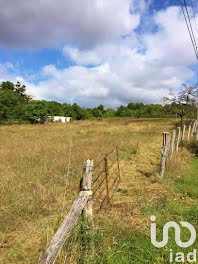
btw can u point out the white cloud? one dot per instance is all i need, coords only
(120, 72)
(170, 45)
(85, 57)
(9, 65)
(36, 23)
(126, 76)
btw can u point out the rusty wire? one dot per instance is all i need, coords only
(110, 182)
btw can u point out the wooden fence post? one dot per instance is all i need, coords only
(189, 133)
(87, 214)
(193, 128)
(172, 143)
(164, 153)
(183, 133)
(87, 186)
(177, 139)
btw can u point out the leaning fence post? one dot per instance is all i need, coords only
(189, 133)
(63, 233)
(82, 202)
(87, 186)
(177, 139)
(164, 153)
(183, 133)
(171, 150)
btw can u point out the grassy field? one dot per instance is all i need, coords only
(40, 170)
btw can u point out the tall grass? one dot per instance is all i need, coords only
(40, 171)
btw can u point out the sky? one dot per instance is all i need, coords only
(94, 52)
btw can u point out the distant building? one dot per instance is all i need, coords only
(46, 119)
(63, 119)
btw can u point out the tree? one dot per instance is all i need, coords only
(55, 108)
(153, 110)
(89, 113)
(181, 102)
(79, 112)
(110, 112)
(101, 108)
(20, 90)
(69, 111)
(5, 86)
(119, 110)
(13, 98)
(96, 112)
(36, 109)
(125, 112)
(135, 106)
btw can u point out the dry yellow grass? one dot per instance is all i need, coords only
(35, 161)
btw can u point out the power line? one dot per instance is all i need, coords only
(190, 30)
(192, 5)
(191, 26)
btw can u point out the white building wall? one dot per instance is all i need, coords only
(63, 119)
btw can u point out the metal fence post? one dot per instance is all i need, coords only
(106, 177)
(118, 163)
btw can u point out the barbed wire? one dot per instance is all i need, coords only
(73, 170)
(19, 200)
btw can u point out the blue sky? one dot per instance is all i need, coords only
(96, 51)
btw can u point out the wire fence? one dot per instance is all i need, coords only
(172, 142)
(106, 178)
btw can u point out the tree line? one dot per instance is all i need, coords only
(16, 106)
